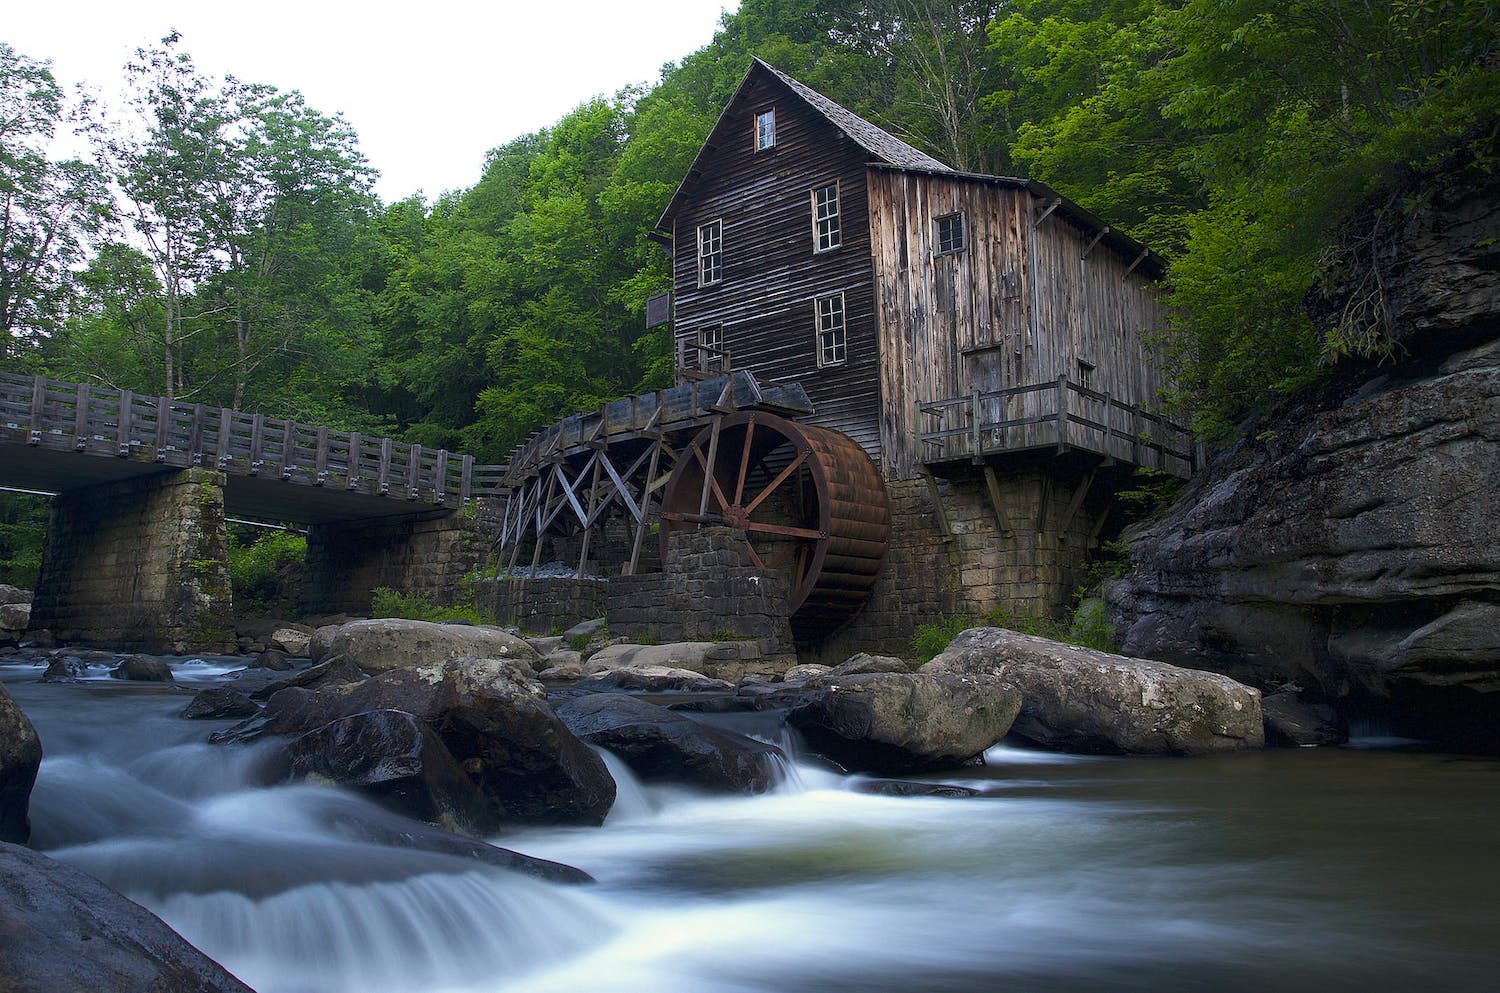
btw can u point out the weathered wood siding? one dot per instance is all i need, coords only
(771, 275)
(1020, 305)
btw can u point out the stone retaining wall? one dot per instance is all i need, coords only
(543, 605)
(429, 558)
(708, 592)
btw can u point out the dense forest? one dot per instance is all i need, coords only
(222, 243)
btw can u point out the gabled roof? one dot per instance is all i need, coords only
(883, 146)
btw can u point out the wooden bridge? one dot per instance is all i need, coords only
(57, 436)
(136, 553)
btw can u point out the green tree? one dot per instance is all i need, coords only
(48, 209)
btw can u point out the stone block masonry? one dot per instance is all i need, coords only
(1029, 566)
(140, 564)
(542, 605)
(708, 591)
(347, 562)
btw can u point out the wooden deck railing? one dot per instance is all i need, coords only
(1061, 415)
(87, 419)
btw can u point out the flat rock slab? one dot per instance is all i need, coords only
(392, 643)
(1081, 700)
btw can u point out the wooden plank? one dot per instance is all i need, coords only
(466, 479)
(440, 481)
(383, 480)
(288, 449)
(992, 486)
(257, 443)
(413, 472)
(80, 418)
(937, 505)
(1074, 504)
(122, 423)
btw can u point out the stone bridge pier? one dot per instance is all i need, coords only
(139, 564)
(142, 564)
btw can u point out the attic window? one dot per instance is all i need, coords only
(950, 234)
(765, 130)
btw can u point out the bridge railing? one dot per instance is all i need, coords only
(77, 417)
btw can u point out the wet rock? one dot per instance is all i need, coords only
(396, 759)
(903, 787)
(292, 641)
(1082, 700)
(335, 672)
(546, 646)
(65, 930)
(862, 663)
(584, 630)
(1293, 723)
(273, 659)
(13, 595)
(388, 643)
(65, 669)
(490, 715)
(143, 668)
(20, 756)
(561, 666)
(806, 671)
(218, 702)
(14, 616)
(659, 744)
(898, 722)
(646, 678)
(690, 655)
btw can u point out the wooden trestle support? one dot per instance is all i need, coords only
(810, 501)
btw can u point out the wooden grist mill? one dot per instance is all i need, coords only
(911, 392)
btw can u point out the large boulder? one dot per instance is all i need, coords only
(1292, 722)
(689, 655)
(144, 669)
(293, 641)
(901, 722)
(1081, 700)
(13, 594)
(398, 760)
(492, 718)
(390, 643)
(20, 755)
(14, 616)
(65, 930)
(658, 743)
(219, 702)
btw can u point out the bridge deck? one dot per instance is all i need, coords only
(57, 436)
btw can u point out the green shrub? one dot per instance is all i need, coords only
(264, 569)
(930, 639)
(23, 527)
(386, 602)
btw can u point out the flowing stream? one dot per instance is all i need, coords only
(1370, 867)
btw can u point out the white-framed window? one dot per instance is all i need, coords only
(825, 213)
(832, 344)
(712, 336)
(765, 129)
(950, 234)
(710, 253)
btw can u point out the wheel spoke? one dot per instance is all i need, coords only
(781, 477)
(783, 530)
(739, 484)
(709, 475)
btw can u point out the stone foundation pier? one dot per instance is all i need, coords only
(348, 561)
(140, 564)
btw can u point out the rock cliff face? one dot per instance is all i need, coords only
(1354, 548)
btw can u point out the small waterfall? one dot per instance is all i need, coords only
(631, 800)
(426, 932)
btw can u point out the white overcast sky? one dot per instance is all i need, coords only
(430, 86)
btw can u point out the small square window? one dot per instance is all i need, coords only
(832, 344)
(712, 336)
(765, 130)
(950, 234)
(825, 207)
(710, 253)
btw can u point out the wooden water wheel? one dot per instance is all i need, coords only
(810, 501)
